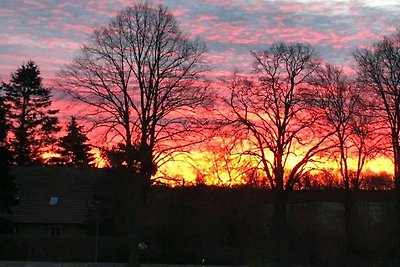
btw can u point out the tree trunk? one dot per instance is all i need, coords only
(140, 184)
(348, 225)
(279, 228)
(134, 220)
(397, 190)
(135, 216)
(397, 207)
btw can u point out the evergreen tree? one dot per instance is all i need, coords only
(117, 156)
(8, 190)
(75, 151)
(33, 124)
(4, 125)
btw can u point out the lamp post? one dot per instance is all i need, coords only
(96, 250)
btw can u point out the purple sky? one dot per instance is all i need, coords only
(50, 32)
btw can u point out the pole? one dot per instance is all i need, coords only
(96, 251)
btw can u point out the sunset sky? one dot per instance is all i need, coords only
(50, 32)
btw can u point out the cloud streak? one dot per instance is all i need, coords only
(51, 32)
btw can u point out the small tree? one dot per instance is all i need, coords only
(338, 100)
(226, 164)
(33, 125)
(74, 149)
(117, 157)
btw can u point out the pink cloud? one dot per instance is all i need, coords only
(35, 4)
(196, 30)
(218, 2)
(291, 7)
(180, 12)
(227, 33)
(79, 28)
(203, 17)
(229, 27)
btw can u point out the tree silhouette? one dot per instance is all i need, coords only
(4, 124)
(344, 108)
(117, 157)
(339, 101)
(226, 165)
(271, 121)
(140, 75)
(74, 149)
(379, 72)
(32, 124)
(8, 190)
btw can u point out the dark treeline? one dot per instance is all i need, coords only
(144, 82)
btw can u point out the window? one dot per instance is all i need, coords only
(53, 201)
(55, 231)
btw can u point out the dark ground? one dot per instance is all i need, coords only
(228, 226)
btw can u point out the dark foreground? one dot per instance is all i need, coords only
(229, 227)
(104, 264)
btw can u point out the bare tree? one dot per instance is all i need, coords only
(226, 166)
(141, 77)
(276, 125)
(366, 141)
(345, 113)
(378, 69)
(345, 109)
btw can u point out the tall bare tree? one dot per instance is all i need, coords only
(276, 125)
(141, 77)
(345, 111)
(378, 69)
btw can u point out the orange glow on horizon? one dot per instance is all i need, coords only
(184, 171)
(98, 161)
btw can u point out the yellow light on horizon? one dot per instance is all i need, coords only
(186, 169)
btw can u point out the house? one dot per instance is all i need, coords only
(53, 200)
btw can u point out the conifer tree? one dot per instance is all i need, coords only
(8, 190)
(33, 124)
(4, 125)
(75, 151)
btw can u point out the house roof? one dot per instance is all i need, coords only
(54, 194)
